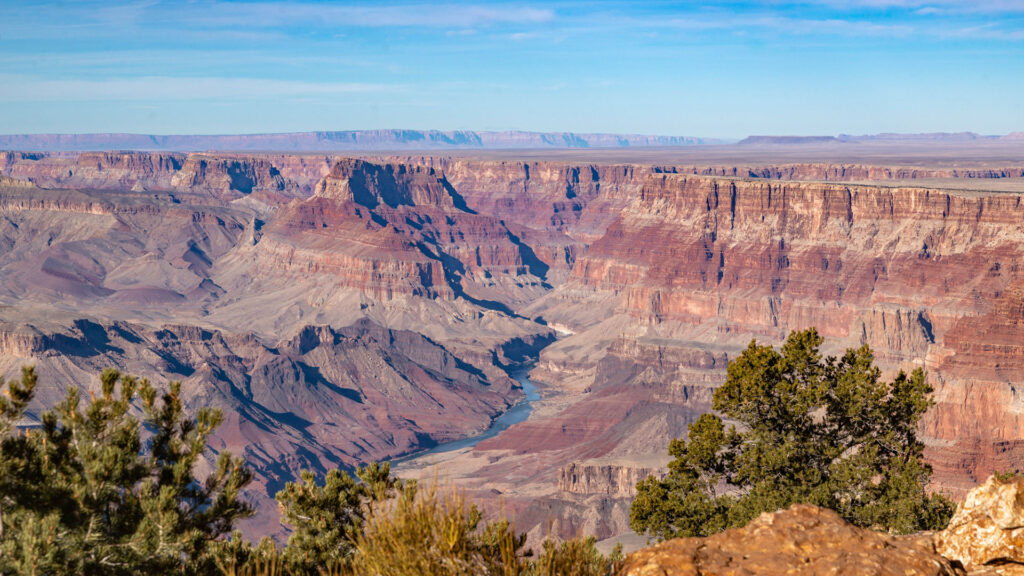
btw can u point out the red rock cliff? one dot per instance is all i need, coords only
(926, 277)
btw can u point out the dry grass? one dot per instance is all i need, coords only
(432, 530)
(428, 531)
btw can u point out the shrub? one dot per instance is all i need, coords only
(577, 557)
(807, 429)
(325, 519)
(83, 494)
(431, 531)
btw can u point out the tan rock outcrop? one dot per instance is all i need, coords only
(21, 341)
(8, 182)
(802, 540)
(229, 176)
(987, 530)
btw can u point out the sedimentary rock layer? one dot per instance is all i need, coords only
(925, 277)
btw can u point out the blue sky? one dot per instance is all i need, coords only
(719, 69)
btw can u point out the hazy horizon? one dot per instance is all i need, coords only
(716, 138)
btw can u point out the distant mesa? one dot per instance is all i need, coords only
(433, 140)
(925, 137)
(340, 141)
(884, 137)
(775, 140)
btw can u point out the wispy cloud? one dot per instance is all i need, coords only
(251, 19)
(924, 6)
(273, 14)
(986, 32)
(162, 88)
(278, 14)
(781, 19)
(834, 26)
(126, 62)
(772, 24)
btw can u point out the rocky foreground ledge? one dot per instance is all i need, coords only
(984, 538)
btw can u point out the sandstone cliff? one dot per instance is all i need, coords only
(913, 272)
(607, 479)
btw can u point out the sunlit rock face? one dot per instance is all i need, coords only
(926, 278)
(803, 540)
(987, 531)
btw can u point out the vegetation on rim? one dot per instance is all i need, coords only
(801, 429)
(79, 495)
(95, 490)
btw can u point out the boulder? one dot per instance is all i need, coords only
(987, 531)
(802, 540)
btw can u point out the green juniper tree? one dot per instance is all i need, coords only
(28, 524)
(94, 490)
(84, 494)
(325, 519)
(806, 429)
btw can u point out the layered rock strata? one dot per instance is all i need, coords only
(608, 479)
(653, 276)
(925, 277)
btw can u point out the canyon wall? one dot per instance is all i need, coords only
(691, 268)
(341, 310)
(926, 277)
(196, 174)
(607, 479)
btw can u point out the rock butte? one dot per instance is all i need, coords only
(342, 310)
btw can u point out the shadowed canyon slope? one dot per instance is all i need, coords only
(343, 310)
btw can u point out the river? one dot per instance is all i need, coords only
(513, 415)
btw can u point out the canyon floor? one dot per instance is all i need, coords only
(348, 308)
